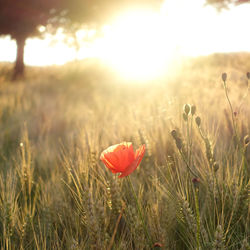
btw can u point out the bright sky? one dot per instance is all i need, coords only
(183, 28)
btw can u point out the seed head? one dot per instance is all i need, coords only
(224, 77)
(186, 108)
(246, 140)
(193, 109)
(196, 182)
(216, 166)
(185, 117)
(179, 143)
(248, 75)
(198, 121)
(174, 134)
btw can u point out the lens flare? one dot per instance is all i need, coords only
(136, 45)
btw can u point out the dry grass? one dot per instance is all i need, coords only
(56, 194)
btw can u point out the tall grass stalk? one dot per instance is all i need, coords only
(196, 195)
(142, 216)
(56, 194)
(224, 79)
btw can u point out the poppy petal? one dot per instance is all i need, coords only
(131, 168)
(121, 158)
(108, 164)
(125, 155)
(112, 159)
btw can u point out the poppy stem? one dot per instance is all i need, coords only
(184, 159)
(232, 113)
(140, 213)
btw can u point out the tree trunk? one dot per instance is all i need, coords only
(19, 66)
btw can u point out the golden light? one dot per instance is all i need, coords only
(136, 45)
(142, 44)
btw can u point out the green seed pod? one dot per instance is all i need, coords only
(215, 166)
(198, 121)
(174, 134)
(185, 117)
(193, 109)
(186, 108)
(179, 143)
(224, 77)
(196, 182)
(246, 140)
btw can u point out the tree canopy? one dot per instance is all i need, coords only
(21, 19)
(224, 4)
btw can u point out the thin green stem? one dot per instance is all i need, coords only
(201, 134)
(188, 141)
(217, 184)
(243, 165)
(232, 112)
(191, 142)
(184, 159)
(140, 213)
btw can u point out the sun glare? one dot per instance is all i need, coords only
(143, 44)
(136, 45)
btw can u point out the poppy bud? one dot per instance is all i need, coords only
(174, 134)
(179, 144)
(248, 75)
(216, 166)
(185, 117)
(224, 77)
(186, 108)
(193, 109)
(157, 245)
(196, 182)
(246, 140)
(198, 121)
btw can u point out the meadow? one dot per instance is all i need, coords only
(190, 190)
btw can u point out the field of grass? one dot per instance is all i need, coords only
(192, 184)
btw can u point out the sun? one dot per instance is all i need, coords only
(136, 45)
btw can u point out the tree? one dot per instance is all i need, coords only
(21, 18)
(224, 4)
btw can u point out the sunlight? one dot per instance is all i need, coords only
(53, 49)
(136, 45)
(142, 44)
(199, 30)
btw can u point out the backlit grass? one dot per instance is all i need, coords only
(192, 184)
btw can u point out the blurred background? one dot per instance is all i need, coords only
(138, 39)
(77, 76)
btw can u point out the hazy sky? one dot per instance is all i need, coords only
(183, 27)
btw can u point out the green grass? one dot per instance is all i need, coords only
(55, 193)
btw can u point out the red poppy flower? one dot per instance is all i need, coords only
(121, 158)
